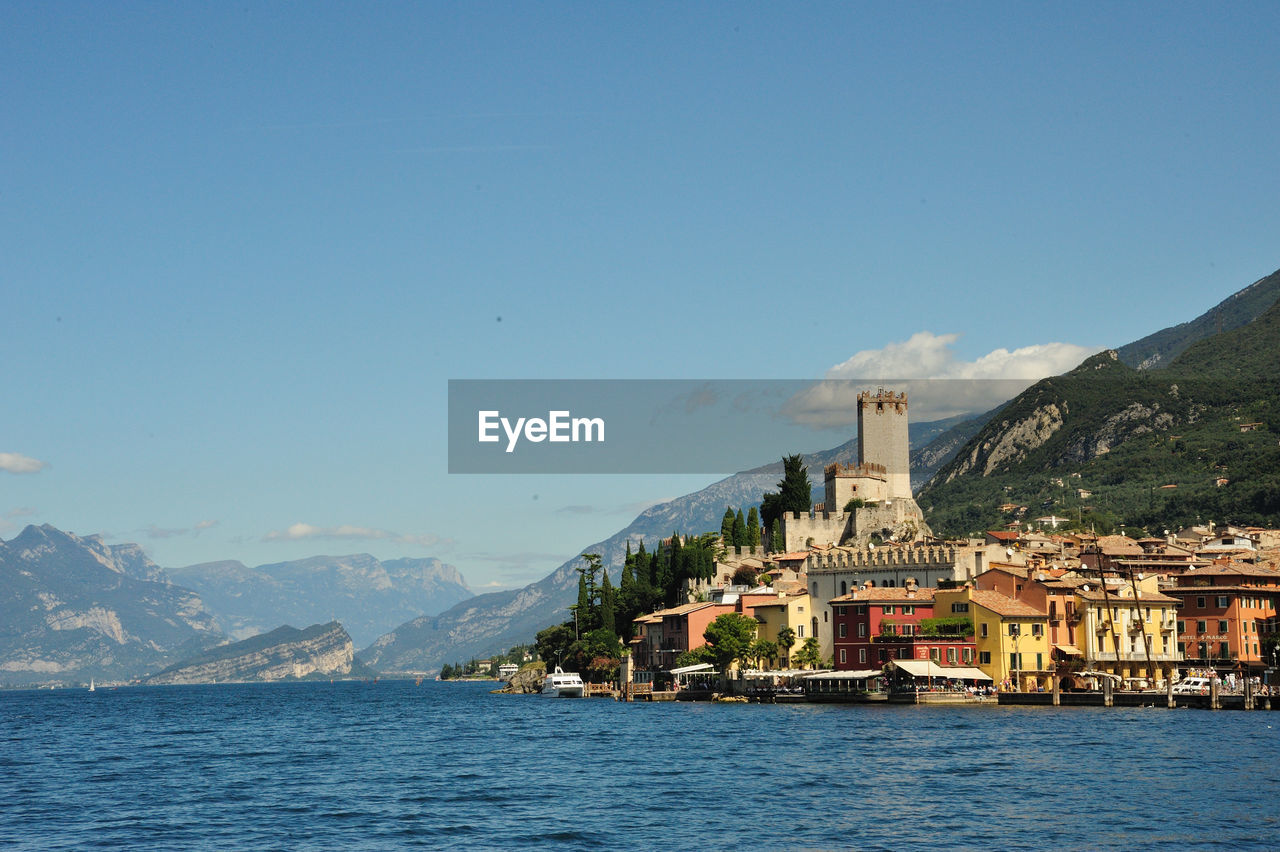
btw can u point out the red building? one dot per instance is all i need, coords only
(874, 625)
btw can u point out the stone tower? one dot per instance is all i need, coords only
(882, 438)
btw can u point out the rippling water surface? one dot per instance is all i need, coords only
(391, 765)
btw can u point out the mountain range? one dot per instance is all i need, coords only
(494, 621)
(368, 596)
(73, 608)
(1180, 423)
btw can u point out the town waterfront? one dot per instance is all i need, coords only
(362, 765)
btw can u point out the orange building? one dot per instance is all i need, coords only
(1227, 611)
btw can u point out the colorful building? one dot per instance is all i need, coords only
(1227, 611)
(875, 625)
(1128, 629)
(1010, 636)
(779, 611)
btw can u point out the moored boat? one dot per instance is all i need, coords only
(562, 684)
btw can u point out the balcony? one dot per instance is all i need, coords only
(1136, 657)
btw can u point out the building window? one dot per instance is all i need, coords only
(888, 610)
(1223, 650)
(862, 628)
(840, 610)
(844, 588)
(800, 631)
(1222, 627)
(862, 655)
(884, 655)
(1037, 630)
(982, 630)
(1222, 602)
(1039, 662)
(908, 630)
(842, 656)
(843, 631)
(952, 657)
(908, 609)
(967, 656)
(1200, 602)
(1182, 627)
(935, 654)
(984, 658)
(959, 607)
(1015, 629)
(1202, 627)
(902, 653)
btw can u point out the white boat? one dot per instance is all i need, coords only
(562, 684)
(91, 686)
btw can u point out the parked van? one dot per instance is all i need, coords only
(1192, 686)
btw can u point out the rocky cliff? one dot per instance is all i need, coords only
(323, 650)
(73, 608)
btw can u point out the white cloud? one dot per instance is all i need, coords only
(937, 383)
(926, 355)
(300, 532)
(18, 463)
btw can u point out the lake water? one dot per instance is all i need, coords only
(394, 765)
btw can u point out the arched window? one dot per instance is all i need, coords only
(844, 587)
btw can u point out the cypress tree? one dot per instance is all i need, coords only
(739, 530)
(726, 526)
(753, 527)
(607, 605)
(583, 609)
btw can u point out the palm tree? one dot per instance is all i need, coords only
(786, 640)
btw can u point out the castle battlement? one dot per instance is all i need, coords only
(883, 397)
(846, 559)
(865, 469)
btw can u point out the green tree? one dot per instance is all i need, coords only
(552, 644)
(739, 530)
(776, 542)
(764, 650)
(726, 526)
(753, 527)
(608, 604)
(696, 657)
(809, 656)
(730, 637)
(786, 641)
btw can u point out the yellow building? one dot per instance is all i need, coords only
(792, 611)
(1129, 632)
(1011, 637)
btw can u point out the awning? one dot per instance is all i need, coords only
(860, 674)
(1070, 650)
(928, 668)
(919, 668)
(700, 667)
(966, 673)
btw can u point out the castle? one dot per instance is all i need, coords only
(871, 499)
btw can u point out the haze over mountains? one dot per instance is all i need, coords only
(74, 608)
(366, 595)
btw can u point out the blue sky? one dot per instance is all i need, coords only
(244, 247)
